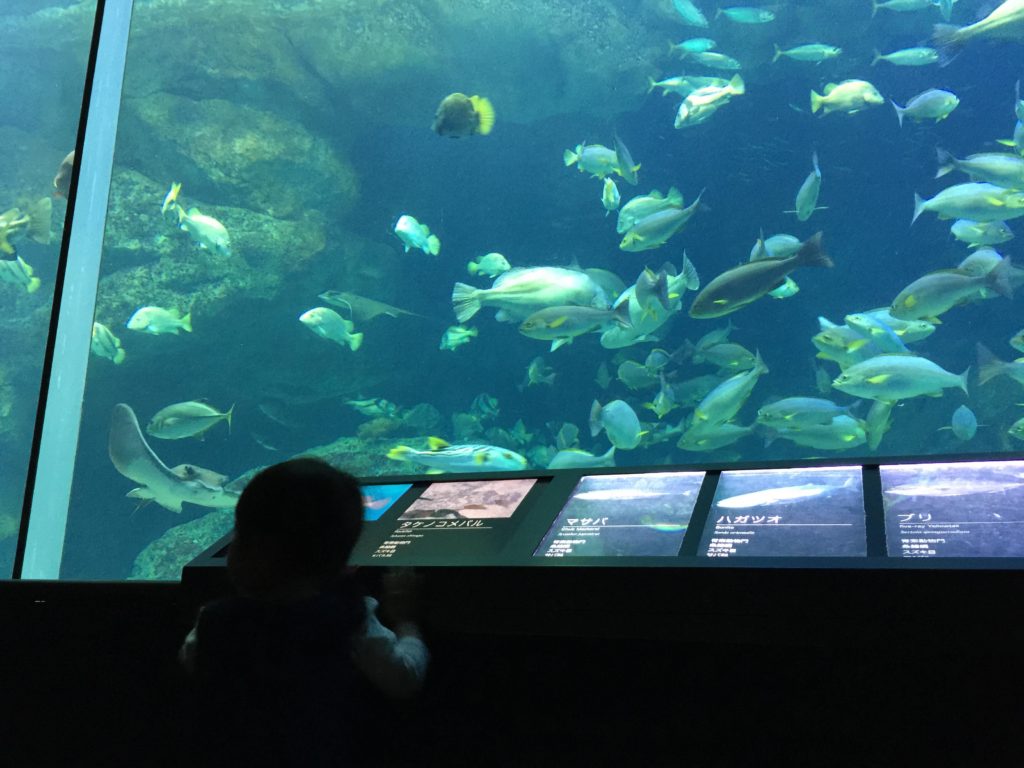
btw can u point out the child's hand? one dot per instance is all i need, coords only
(399, 601)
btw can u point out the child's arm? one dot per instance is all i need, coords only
(187, 652)
(394, 661)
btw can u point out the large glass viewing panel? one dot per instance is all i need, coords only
(44, 50)
(318, 242)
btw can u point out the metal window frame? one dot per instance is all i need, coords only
(58, 418)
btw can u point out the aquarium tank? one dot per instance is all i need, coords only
(427, 236)
(43, 56)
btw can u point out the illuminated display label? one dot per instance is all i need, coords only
(811, 512)
(457, 520)
(624, 515)
(970, 509)
(378, 499)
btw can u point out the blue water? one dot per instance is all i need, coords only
(510, 192)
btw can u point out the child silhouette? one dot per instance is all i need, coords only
(283, 672)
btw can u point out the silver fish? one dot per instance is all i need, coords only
(133, 458)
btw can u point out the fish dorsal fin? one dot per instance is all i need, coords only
(436, 443)
(829, 88)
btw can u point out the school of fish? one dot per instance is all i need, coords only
(660, 327)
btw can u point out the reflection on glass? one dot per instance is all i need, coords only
(642, 515)
(970, 509)
(42, 82)
(810, 512)
(378, 499)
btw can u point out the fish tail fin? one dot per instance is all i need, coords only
(595, 419)
(946, 162)
(485, 111)
(186, 321)
(737, 86)
(662, 293)
(40, 216)
(569, 157)
(621, 314)
(778, 53)
(999, 279)
(355, 341)
(399, 453)
(651, 82)
(688, 351)
(947, 39)
(899, 111)
(33, 285)
(814, 162)
(963, 380)
(690, 277)
(434, 245)
(608, 456)
(464, 301)
(919, 204)
(119, 356)
(812, 253)
(877, 57)
(228, 415)
(989, 366)
(816, 101)
(171, 205)
(874, 8)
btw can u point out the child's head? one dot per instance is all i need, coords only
(295, 525)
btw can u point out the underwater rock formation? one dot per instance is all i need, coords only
(235, 154)
(164, 557)
(137, 234)
(390, 54)
(148, 260)
(363, 457)
(320, 60)
(44, 46)
(28, 172)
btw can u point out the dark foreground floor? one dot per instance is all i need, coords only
(88, 677)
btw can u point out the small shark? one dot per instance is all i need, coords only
(134, 459)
